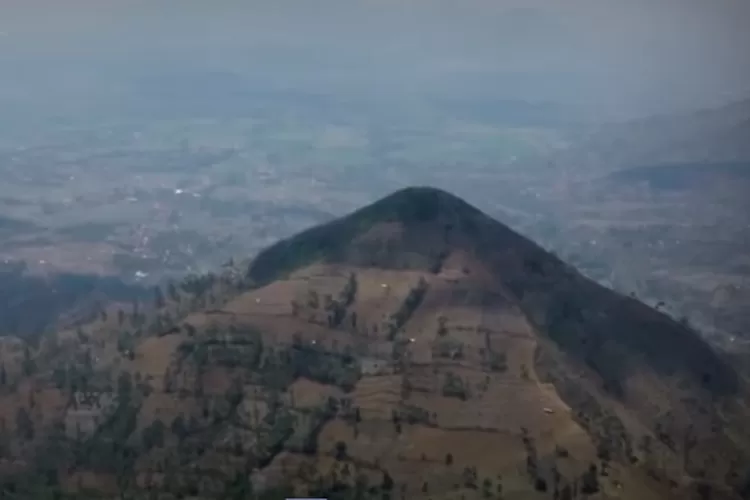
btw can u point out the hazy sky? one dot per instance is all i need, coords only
(629, 57)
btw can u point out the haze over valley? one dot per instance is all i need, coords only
(198, 230)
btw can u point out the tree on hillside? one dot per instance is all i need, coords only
(487, 488)
(349, 293)
(340, 452)
(590, 481)
(442, 326)
(454, 386)
(153, 435)
(234, 393)
(4, 440)
(24, 425)
(540, 484)
(125, 342)
(190, 330)
(313, 301)
(178, 427)
(135, 312)
(566, 493)
(469, 477)
(387, 484)
(239, 488)
(124, 385)
(28, 365)
(168, 383)
(159, 301)
(81, 336)
(172, 291)
(407, 308)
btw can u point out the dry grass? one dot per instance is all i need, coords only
(308, 394)
(462, 306)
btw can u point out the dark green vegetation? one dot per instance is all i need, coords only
(31, 305)
(610, 332)
(331, 242)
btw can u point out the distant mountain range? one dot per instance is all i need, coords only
(720, 135)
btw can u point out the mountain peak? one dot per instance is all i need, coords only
(420, 204)
(423, 221)
(422, 228)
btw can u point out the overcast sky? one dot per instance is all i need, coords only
(627, 57)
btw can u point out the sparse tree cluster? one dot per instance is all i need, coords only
(454, 387)
(407, 308)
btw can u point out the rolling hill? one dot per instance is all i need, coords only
(414, 348)
(716, 135)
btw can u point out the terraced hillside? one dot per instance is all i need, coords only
(416, 348)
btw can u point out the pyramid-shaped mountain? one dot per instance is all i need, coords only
(419, 228)
(415, 348)
(607, 355)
